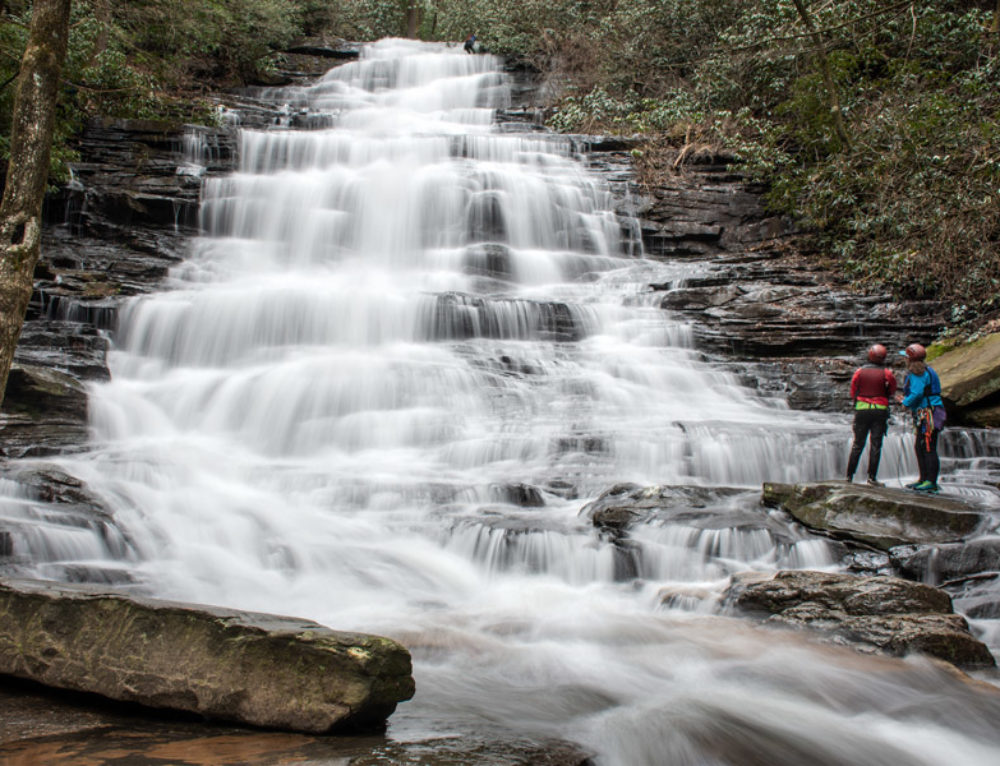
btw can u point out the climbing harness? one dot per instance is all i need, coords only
(925, 423)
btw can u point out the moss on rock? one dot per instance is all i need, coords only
(265, 670)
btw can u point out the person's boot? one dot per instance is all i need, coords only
(875, 483)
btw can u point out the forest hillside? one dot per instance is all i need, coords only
(875, 124)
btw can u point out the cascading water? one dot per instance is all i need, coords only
(405, 352)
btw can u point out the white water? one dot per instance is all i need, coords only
(327, 413)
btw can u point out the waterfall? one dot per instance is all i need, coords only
(405, 350)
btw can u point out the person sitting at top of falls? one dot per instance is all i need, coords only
(872, 387)
(470, 44)
(922, 394)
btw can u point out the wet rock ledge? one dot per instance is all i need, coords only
(880, 517)
(249, 668)
(887, 614)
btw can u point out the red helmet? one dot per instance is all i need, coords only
(877, 353)
(915, 352)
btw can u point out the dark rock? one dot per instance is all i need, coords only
(706, 209)
(68, 510)
(22, 436)
(51, 484)
(880, 517)
(458, 316)
(982, 417)
(340, 50)
(978, 597)
(127, 176)
(523, 495)
(867, 562)
(44, 408)
(940, 563)
(623, 505)
(264, 670)
(43, 392)
(897, 616)
(768, 300)
(490, 260)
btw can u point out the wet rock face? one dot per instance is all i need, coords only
(893, 615)
(941, 563)
(785, 307)
(44, 412)
(880, 517)
(625, 505)
(704, 210)
(274, 672)
(128, 176)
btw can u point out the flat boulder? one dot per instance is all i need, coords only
(250, 668)
(889, 614)
(881, 517)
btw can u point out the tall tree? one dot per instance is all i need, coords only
(412, 19)
(833, 99)
(27, 173)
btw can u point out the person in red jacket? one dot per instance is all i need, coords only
(872, 388)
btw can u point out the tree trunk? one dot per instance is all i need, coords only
(831, 87)
(411, 20)
(995, 29)
(33, 121)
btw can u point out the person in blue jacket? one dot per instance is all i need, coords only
(922, 395)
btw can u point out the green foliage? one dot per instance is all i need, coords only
(148, 58)
(227, 40)
(911, 205)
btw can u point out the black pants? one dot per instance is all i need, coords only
(927, 457)
(868, 422)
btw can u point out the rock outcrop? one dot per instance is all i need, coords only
(879, 517)
(893, 615)
(970, 381)
(45, 411)
(263, 670)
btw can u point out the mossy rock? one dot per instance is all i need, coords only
(258, 669)
(971, 373)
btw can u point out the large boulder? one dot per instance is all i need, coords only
(970, 375)
(875, 516)
(264, 670)
(896, 616)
